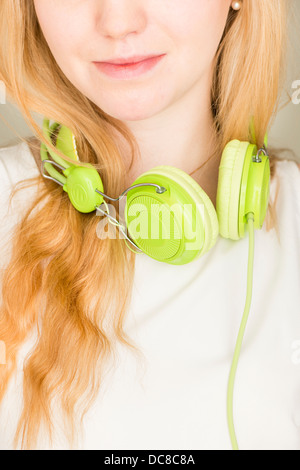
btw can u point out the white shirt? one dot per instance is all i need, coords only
(185, 320)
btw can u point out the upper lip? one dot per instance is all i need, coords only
(130, 60)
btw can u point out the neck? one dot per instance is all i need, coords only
(182, 135)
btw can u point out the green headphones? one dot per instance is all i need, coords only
(242, 199)
(167, 196)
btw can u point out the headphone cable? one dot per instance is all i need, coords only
(231, 379)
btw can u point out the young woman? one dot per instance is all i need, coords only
(106, 347)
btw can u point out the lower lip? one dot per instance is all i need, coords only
(128, 71)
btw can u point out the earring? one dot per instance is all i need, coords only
(236, 5)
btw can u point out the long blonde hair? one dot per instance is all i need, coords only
(70, 277)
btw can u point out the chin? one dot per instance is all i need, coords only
(127, 114)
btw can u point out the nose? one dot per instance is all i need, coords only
(119, 18)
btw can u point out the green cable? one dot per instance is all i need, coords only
(250, 222)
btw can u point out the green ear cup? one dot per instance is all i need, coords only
(80, 183)
(66, 143)
(81, 187)
(175, 227)
(46, 151)
(243, 187)
(255, 190)
(229, 186)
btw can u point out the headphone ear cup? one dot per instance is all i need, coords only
(229, 188)
(46, 151)
(80, 183)
(66, 143)
(210, 215)
(196, 216)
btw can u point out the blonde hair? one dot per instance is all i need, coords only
(70, 277)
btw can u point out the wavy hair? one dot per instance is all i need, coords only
(69, 293)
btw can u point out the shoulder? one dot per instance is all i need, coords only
(17, 163)
(288, 164)
(288, 174)
(285, 192)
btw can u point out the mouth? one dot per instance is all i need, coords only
(130, 60)
(128, 68)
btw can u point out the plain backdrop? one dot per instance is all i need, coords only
(285, 129)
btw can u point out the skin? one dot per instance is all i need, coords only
(168, 109)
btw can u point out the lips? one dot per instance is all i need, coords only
(129, 60)
(122, 70)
